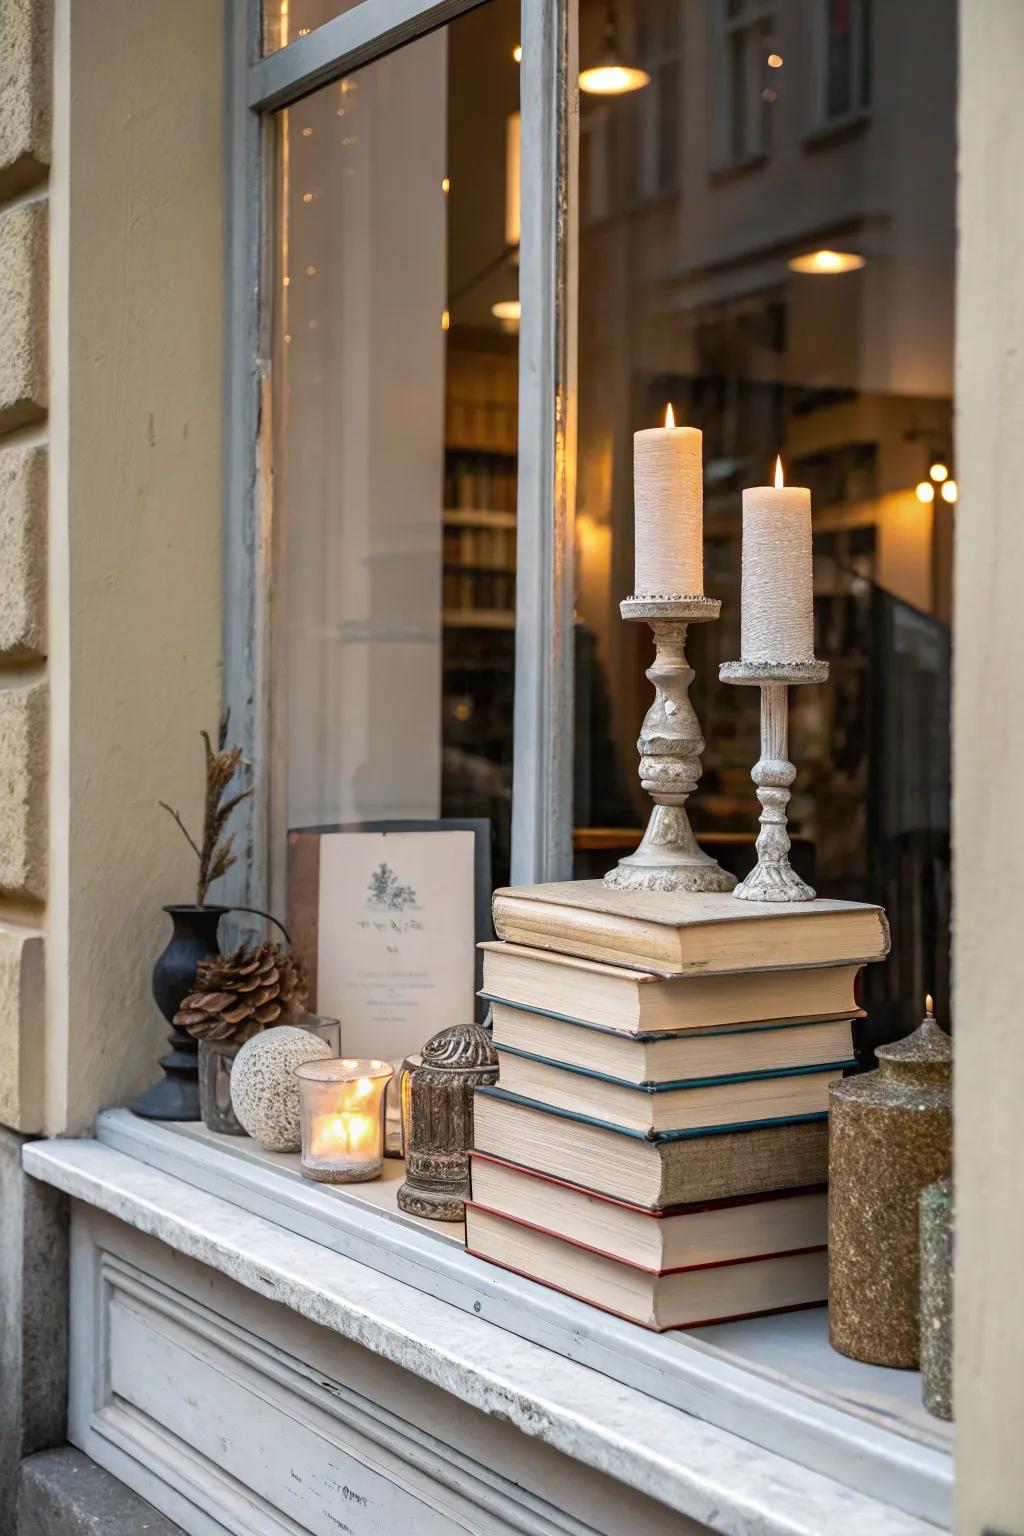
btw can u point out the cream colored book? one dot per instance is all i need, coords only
(686, 933)
(656, 1171)
(715, 1104)
(684, 1298)
(639, 1002)
(729, 1051)
(714, 1233)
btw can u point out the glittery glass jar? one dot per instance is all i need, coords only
(890, 1135)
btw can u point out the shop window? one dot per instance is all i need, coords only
(395, 406)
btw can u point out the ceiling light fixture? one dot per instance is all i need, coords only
(826, 263)
(612, 75)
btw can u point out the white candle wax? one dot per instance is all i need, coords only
(777, 616)
(668, 489)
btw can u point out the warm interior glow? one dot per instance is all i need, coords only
(613, 79)
(775, 61)
(826, 263)
(925, 491)
(517, 53)
(939, 472)
(507, 309)
(347, 1134)
(929, 1004)
(446, 319)
(950, 491)
(779, 482)
(670, 419)
(446, 185)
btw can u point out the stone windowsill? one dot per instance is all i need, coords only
(756, 1428)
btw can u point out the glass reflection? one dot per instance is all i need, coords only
(767, 240)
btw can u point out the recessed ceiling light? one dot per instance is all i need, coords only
(507, 309)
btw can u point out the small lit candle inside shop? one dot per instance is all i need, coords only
(342, 1119)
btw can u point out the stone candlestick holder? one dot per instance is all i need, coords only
(773, 878)
(670, 745)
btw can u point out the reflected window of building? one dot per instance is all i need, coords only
(803, 307)
(659, 149)
(744, 35)
(842, 51)
(395, 390)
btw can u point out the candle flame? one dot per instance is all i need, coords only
(779, 482)
(929, 1005)
(670, 419)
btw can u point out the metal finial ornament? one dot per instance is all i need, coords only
(773, 878)
(670, 745)
(438, 1094)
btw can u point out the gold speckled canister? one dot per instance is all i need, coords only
(890, 1134)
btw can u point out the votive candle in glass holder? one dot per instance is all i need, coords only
(342, 1110)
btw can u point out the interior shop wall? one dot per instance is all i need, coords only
(136, 324)
(988, 742)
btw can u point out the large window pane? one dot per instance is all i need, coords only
(795, 133)
(395, 413)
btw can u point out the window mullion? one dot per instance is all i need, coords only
(542, 772)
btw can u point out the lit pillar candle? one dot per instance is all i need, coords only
(777, 619)
(668, 493)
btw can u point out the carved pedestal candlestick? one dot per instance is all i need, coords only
(670, 745)
(773, 877)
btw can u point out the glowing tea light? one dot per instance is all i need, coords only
(777, 613)
(342, 1119)
(668, 494)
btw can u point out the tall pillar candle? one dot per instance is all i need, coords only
(777, 616)
(668, 490)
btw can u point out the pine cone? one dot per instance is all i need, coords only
(239, 994)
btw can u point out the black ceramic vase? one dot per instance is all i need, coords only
(176, 1095)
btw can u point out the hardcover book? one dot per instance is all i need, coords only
(653, 1171)
(678, 1238)
(686, 933)
(705, 1104)
(640, 1002)
(681, 1298)
(661, 1058)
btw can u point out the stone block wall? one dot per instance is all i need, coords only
(26, 28)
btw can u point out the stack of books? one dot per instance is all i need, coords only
(657, 1141)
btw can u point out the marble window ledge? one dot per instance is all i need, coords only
(679, 1458)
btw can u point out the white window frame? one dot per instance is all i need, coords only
(258, 85)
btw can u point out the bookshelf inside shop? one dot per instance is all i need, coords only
(479, 580)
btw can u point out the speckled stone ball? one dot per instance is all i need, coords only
(264, 1091)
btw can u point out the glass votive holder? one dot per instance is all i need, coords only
(342, 1113)
(323, 1027)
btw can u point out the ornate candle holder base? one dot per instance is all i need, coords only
(668, 858)
(773, 878)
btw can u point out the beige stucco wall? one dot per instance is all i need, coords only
(988, 739)
(111, 292)
(138, 211)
